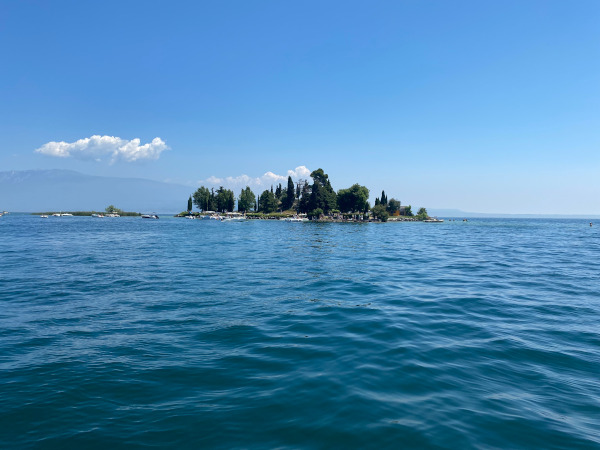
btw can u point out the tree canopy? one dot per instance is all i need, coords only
(353, 199)
(380, 212)
(313, 199)
(393, 206)
(246, 200)
(267, 203)
(322, 195)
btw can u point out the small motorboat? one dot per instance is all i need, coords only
(149, 216)
(296, 219)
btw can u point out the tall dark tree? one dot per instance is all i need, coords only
(189, 205)
(225, 200)
(304, 202)
(202, 198)
(267, 202)
(322, 196)
(384, 199)
(246, 200)
(288, 200)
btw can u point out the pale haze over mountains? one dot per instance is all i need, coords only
(67, 190)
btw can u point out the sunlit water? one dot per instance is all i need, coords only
(130, 332)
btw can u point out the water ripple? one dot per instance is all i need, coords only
(174, 333)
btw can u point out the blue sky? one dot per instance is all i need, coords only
(486, 106)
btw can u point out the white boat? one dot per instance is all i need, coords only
(189, 217)
(56, 215)
(211, 215)
(97, 215)
(43, 216)
(233, 216)
(296, 219)
(67, 215)
(433, 220)
(149, 216)
(112, 215)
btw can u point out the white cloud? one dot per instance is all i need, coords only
(300, 172)
(97, 147)
(263, 182)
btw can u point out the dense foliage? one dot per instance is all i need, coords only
(316, 200)
(246, 200)
(208, 200)
(267, 203)
(353, 199)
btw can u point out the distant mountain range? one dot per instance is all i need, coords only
(67, 190)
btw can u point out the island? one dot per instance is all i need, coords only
(109, 211)
(303, 201)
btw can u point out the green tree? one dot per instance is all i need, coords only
(202, 198)
(246, 200)
(315, 213)
(422, 214)
(288, 200)
(322, 194)
(408, 211)
(304, 201)
(189, 205)
(380, 212)
(225, 200)
(267, 202)
(393, 206)
(112, 209)
(352, 199)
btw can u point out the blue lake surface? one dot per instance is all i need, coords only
(134, 333)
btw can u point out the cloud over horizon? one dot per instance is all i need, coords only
(98, 147)
(266, 180)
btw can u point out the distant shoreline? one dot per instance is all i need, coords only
(84, 213)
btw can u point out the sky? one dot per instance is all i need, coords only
(484, 106)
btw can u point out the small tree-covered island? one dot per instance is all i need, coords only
(302, 200)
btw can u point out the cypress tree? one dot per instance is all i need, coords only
(290, 194)
(189, 209)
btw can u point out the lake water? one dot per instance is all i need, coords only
(151, 333)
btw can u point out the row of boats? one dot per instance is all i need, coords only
(97, 215)
(234, 216)
(45, 216)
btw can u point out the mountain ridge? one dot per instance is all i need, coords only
(69, 190)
